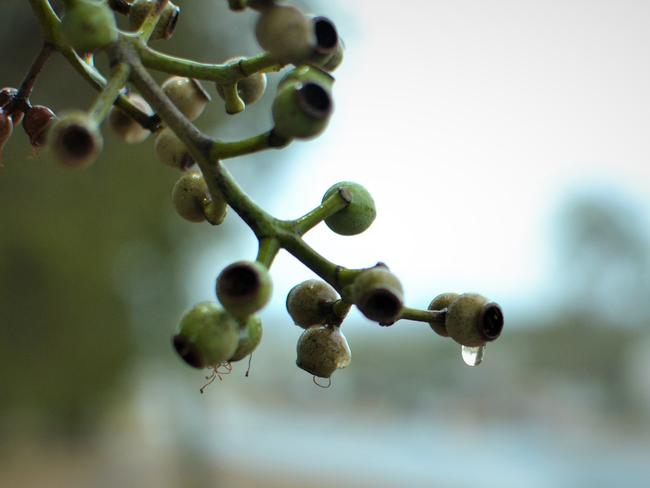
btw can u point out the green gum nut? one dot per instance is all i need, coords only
(74, 140)
(307, 73)
(302, 110)
(472, 320)
(88, 25)
(310, 303)
(207, 336)
(358, 215)
(249, 89)
(166, 23)
(327, 51)
(171, 151)
(379, 295)
(187, 94)
(244, 287)
(250, 336)
(286, 33)
(127, 128)
(441, 302)
(192, 200)
(322, 350)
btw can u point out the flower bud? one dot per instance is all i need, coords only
(250, 335)
(207, 336)
(88, 25)
(127, 128)
(74, 140)
(187, 94)
(472, 320)
(36, 124)
(302, 110)
(250, 89)
(323, 350)
(379, 295)
(244, 287)
(441, 302)
(192, 200)
(310, 303)
(171, 151)
(166, 23)
(286, 33)
(359, 214)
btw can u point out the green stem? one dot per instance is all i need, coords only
(268, 249)
(428, 316)
(329, 207)
(266, 140)
(102, 106)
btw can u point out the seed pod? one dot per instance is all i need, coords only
(286, 33)
(88, 25)
(441, 302)
(171, 151)
(379, 295)
(166, 23)
(302, 110)
(323, 350)
(207, 336)
(192, 200)
(326, 41)
(244, 287)
(359, 214)
(127, 128)
(472, 320)
(336, 58)
(74, 140)
(250, 335)
(250, 89)
(36, 124)
(310, 303)
(187, 94)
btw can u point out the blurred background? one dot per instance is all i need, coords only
(507, 146)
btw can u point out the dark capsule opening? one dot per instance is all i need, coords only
(315, 100)
(78, 141)
(239, 282)
(382, 306)
(187, 351)
(490, 321)
(326, 36)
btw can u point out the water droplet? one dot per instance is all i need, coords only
(473, 356)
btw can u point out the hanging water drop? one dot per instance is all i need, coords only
(473, 356)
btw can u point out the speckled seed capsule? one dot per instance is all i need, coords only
(472, 320)
(124, 126)
(36, 124)
(250, 89)
(379, 295)
(310, 303)
(358, 215)
(441, 302)
(187, 94)
(244, 287)
(250, 336)
(166, 23)
(192, 200)
(74, 140)
(88, 25)
(323, 350)
(171, 151)
(302, 110)
(286, 33)
(207, 336)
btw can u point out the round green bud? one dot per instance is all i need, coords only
(187, 94)
(250, 89)
(310, 303)
(250, 336)
(472, 320)
(127, 128)
(171, 151)
(74, 140)
(441, 302)
(166, 23)
(379, 295)
(36, 124)
(302, 110)
(359, 214)
(88, 25)
(323, 350)
(244, 287)
(192, 201)
(286, 33)
(207, 336)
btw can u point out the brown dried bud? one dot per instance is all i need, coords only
(37, 121)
